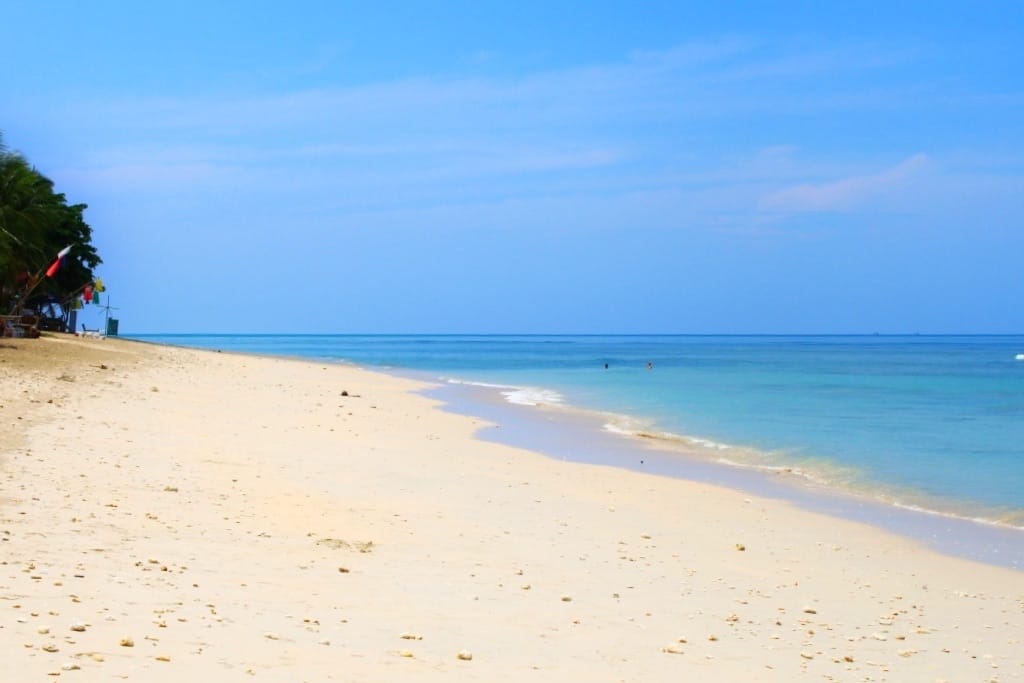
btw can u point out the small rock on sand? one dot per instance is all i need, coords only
(465, 655)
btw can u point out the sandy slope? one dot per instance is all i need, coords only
(240, 518)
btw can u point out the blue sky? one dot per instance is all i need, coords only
(539, 167)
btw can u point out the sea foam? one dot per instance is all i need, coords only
(531, 396)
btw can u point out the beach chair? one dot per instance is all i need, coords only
(86, 332)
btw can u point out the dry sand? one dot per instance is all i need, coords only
(170, 514)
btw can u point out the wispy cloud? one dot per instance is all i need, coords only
(709, 124)
(831, 61)
(701, 78)
(844, 193)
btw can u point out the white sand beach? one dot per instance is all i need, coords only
(169, 514)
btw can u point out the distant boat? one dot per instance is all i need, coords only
(1020, 356)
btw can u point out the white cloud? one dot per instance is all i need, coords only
(698, 121)
(846, 193)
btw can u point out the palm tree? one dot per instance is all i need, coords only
(35, 223)
(26, 207)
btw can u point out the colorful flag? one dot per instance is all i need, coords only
(56, 264)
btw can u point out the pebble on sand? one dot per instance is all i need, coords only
(465, 655)
(127, 642)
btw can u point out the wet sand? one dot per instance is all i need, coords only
(167, 513)
(580, 436)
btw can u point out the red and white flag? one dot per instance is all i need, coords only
(56, 263)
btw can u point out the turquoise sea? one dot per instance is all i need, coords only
(926, 422)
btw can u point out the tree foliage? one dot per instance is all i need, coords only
(36, 222)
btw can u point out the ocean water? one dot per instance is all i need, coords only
(928, 422)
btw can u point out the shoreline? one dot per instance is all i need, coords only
(567, 433)
(932, 520)
(235, 516)
(814, 471)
